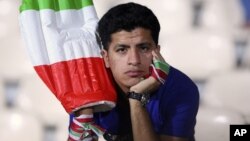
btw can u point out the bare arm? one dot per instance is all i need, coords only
(141, 124)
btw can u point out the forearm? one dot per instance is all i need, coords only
(142, 126)
(141, 123)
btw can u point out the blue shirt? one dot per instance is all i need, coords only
(246, 9)
(172, 109)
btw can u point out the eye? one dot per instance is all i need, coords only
(121, 50)
(145, 48)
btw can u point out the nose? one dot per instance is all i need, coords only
(134, 57)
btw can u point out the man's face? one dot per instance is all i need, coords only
(129, 56)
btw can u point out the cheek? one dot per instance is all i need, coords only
(116, 66)
(146, 63)
(147, 59)
(147, 66)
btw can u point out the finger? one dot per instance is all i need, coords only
(159, 69)
(83, 127)
(142, 78)
(157, 56)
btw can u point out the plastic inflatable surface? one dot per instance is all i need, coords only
(61, 41)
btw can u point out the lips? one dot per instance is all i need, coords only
(134, 73)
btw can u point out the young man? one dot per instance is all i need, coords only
(129, 36)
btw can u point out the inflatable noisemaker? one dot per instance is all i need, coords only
(61, 41)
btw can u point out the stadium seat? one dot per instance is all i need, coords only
(200, 54)
(16, 125)
(224, 15)
(8, 14)
(246, 56)
(61, 133)
(213, 123)
(35, 97)
(229, 90)
(13, 57)
(174, 16)
(2, 101)
(9, 87)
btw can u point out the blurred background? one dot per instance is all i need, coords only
(209, 40)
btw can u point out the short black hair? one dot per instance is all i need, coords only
(127, 17)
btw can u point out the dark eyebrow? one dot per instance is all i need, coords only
(144, 44)
(122, 45)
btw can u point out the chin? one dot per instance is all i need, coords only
(133, 82)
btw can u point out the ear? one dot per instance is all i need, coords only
(104, 54)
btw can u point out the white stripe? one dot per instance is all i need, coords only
(99, 106)
(88, 139)
(77, 123)
(60, 36)
(159, 78)
(74, 137)
(84, 116)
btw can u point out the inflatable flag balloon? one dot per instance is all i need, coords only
(61, 42)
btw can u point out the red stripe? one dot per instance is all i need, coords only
(71, 139)
(78, 82)
(161, 73)
(84, 120)
(76, 128)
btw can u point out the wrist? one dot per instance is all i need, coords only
(134, 102)
(84, 111)
(138, 98)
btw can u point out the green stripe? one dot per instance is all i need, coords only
(75, 133)
(86, 126)
(96, 130)
(56, 5)
(162, 66)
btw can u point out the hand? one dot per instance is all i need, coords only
(158, 74)
(159, 68)
(83, 128)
